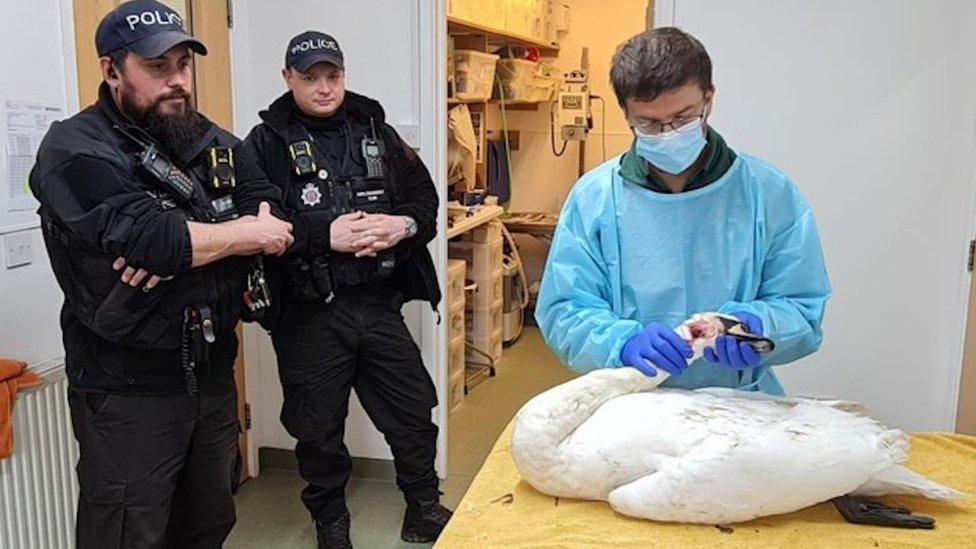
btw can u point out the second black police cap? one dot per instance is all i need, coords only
(311, 47)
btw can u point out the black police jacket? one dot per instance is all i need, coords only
(415, 195)
(97, 205)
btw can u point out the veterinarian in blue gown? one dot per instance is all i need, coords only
(677, 225)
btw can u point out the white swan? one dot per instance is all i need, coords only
(710, 456)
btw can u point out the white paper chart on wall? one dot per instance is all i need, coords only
(26, 124)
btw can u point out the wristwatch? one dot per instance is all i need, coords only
(411, 226)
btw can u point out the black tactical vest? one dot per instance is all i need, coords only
(318, 182)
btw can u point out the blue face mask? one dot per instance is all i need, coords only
(673, 151)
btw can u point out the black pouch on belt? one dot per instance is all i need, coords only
(322, 278)
(300, 274)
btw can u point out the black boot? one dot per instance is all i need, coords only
(423, 521)
(334, 535)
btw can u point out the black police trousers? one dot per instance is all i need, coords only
(155, 470)
(358, 341)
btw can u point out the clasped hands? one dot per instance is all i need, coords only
(367, 234)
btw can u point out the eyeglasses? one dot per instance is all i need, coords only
(680, 124)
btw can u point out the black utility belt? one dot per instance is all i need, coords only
(348, 273)
(320, 278)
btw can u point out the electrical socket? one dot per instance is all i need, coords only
(18, 249)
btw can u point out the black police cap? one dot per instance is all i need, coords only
(145, 27)
(311, 47)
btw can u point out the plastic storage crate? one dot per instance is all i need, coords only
(455, 391)
(490, 345)
(517, 80)
(485, 234)
(456, 272)
(455, 357)
(484, 259)
(455, 322)
(474, 75)
(488, 292)
(483, 322)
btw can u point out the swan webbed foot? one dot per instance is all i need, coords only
(857, 510)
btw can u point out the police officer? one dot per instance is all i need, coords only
(147, 208)
(364, 208)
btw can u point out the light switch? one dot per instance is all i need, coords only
(18, 249)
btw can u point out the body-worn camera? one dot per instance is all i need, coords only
(302, 159)
(222, 168)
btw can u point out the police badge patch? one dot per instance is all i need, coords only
(311, 195)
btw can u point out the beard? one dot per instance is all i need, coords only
(176, 132)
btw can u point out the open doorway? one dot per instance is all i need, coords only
(530, 109)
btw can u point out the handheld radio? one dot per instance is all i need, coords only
(161, 168)
(373, 151)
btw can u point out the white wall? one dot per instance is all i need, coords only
(391, 51)
(870, 107)
(30, 298)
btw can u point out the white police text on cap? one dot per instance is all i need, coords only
(153, 17)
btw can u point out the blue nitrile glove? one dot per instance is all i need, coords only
(659, 344)
(733, 353)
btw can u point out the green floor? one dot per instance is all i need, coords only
(270, 514)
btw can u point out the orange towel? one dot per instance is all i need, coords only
(13, 376)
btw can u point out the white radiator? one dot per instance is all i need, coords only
(38, 487)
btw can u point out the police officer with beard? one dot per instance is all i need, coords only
(148, 212)
(364, 208)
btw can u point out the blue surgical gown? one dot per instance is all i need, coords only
(624, 256)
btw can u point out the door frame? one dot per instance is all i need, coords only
(966, 404)
(212, 89)
(431, 51)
